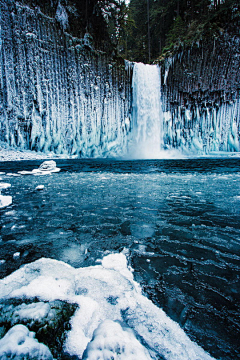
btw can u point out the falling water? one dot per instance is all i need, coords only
(146, 111)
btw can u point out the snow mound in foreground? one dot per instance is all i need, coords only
(19, 343)
(111, 341)
(109, 302)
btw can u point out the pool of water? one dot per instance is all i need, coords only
(177, 219)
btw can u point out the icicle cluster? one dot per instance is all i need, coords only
(56, 93)
(201, 99)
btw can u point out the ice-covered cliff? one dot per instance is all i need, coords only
(201, 97)
(56, 92)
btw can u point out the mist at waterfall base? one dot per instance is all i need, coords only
(177, 223)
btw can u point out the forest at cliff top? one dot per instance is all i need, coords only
(144, 30)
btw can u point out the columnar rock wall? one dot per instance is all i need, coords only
(201, 96)
(56, 92)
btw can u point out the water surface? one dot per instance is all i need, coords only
(179, 220)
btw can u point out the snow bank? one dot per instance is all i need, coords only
(112, 314)
(8, 153)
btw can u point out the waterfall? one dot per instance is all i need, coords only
(58, 94)
(147, 138)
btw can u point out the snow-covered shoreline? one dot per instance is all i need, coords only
(17, 155)
(14, 154)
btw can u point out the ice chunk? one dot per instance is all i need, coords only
(24, 172)
(4, 186)
(39, 187)
(5, 201)
(19, 343)
(48, 165)
(12, 174)
(16, 255)
(111, 341)
(46, 168)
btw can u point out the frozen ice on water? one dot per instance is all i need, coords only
(5, 201)
(25, 172)
(16, 255)
(19, 343)
(39, 187)
(4, 186)
(46, 168)
(107, 296)
(73, 254)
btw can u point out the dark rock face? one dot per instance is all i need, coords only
(201, 90)
(56, 92)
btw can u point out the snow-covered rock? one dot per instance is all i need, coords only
(111, 341)
(46, 168)
(49, 166)
(105, 296)
(19, 343)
